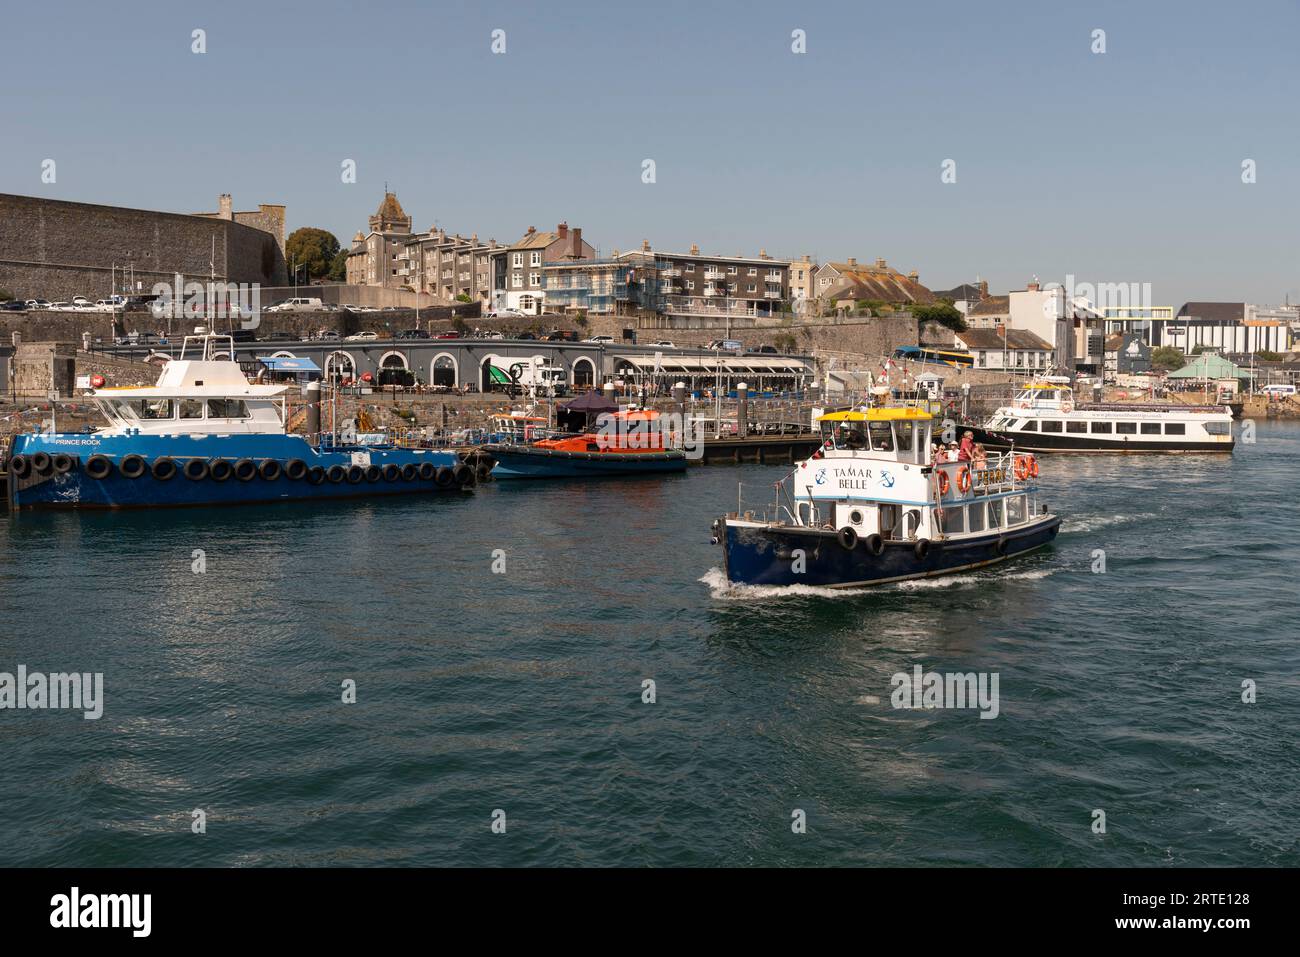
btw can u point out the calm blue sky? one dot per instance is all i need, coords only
(1121, 167)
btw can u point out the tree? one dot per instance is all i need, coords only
(944, 313)
(1265, 355)
(1167, 358)
(339, 267)
(464, 297)
(312, 250)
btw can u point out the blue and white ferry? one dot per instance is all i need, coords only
(870, 506)
(205, 435)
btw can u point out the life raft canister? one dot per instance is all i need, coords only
(963, 479)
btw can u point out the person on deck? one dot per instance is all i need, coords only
(979, 458)
(967, 446)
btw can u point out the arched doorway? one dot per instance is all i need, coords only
(584, 374)
(444, 371)
(340, 366)
(394, 369)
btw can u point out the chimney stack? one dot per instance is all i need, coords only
(531, 230)
(563, 230)
(852, 261)
(806, 259)
(225, 207)
(984, 288)
(762, 254)
(577, 242)
(645, 245)
(695, 249)
(880, 264)
(914, 276)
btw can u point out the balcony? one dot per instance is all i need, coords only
(714, 291)
(772, 294)
(671, 273)
(715, 275)
(773, 277)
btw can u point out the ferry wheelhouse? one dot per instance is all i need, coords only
(1044, 417)
(205, 435)
(870, 507)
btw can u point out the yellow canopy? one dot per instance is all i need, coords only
(887, 414)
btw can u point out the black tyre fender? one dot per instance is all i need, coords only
(847, 538)
(63, 463)
(356, 474)
(427, 471)
(410, 472)
(99, 467)
(443, 477)
(373, 474)
(922, 549)
(164, 468)
(315, 475)
(874, 543)
(270, 470)
(42, 464)
(462, 474)
(196, 470)
(132, 466)
(482, 472)
(220, 470)
(336, 473)
(20, 466)
(391, 472)
(245, 470)
(295, 470)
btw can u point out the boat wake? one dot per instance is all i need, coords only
(1099, 521)
(722, 589)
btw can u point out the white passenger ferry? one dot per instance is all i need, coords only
(1044, 417)
(870, 507)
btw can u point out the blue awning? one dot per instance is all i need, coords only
(284, 364)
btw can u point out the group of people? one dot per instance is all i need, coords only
(968, 450)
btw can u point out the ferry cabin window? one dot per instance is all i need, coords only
(1101, 428)
(1217, 428)
(1126, 428)
(227, 409)
(903, 436)
(1051, 426)
(148, 409)
(976, 516)
(1150, 428)
(1175, 428)
(1031, 425)
(850, 436)
(1076, 426)
(953, 519)
(191, 408)
(882, 436)
(995, 512)
(1015, 509)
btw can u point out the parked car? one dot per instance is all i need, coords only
(297, 304)
(600, 340)
(503, 314)
(663, 344)
(14, 305)
(38, 304)
(282, 337)
(327, 335)
(1278, 389)
(766, 351)
(81, 301)
(447, 335)
(362, 337)
(525, 335)
(412, 334)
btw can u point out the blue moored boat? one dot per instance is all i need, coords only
(871, 507)
(205, 435)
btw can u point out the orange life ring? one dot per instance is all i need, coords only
(1033, 467)
(943, 482)
(963, 479)
(1022, 467)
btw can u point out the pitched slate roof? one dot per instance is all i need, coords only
(991, 339)
(992, 306)
(966, 291)
(874, 282)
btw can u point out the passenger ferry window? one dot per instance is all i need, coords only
(1150, 428)
(1217, 428)
(995, 512)
(227, 409)
(1101, 427)
(976, 517)
(1015, 510)
(1126, 428)
(954, 519)
(1051, 426)
(151, 408)
(1175, 428)
(1076, 426)
(882, 437)
(1031, 425)
(191, 408)
(903, 436)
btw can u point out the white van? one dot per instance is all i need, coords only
(300, 304)
(1278, 390)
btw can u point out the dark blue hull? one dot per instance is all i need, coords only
(256, 469)
(523, 462)
(766, 555)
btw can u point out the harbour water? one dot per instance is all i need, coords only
(483, 686)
